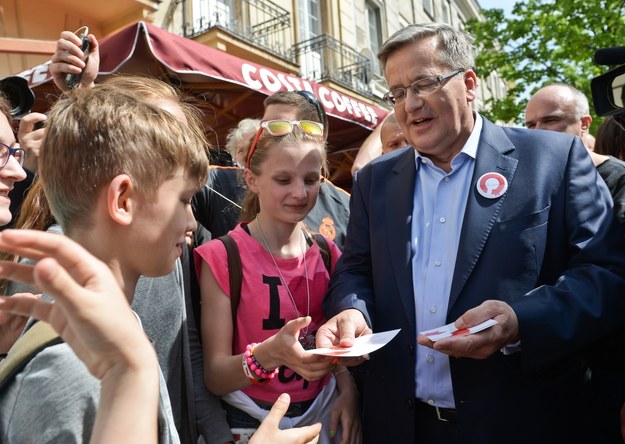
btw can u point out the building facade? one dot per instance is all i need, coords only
(331, 42)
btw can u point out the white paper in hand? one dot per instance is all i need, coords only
(362, 345)
(449, 330)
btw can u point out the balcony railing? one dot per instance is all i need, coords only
(326, 58)
(259, 22)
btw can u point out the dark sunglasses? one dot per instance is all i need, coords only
(312, 99)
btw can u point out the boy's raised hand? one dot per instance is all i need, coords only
(270, 432)
(90, 311)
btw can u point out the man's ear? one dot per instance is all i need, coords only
(470, 82)
(121, 199)
(586, 121)
(250, 180)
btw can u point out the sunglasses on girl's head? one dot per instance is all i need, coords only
(282, 128)
(312, 99)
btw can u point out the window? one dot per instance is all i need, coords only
(374, 25)
(428, 7)
(310, 19)
(310, 27)
(445, 12)
(207, 13)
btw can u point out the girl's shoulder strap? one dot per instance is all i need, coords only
(326, 254)
(235, 273)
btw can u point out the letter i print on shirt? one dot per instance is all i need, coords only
(274, 321)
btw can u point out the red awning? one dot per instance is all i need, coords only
(230, 87)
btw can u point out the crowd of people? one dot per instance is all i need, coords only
(154, 298)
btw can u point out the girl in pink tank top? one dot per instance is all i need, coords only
(284, 282)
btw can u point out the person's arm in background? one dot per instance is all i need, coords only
(69, 59)
(30, 136)
(66, 59)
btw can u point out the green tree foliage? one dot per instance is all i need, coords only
(544, 41)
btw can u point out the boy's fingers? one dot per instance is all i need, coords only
(310, 434)
(278, 410)
(54, 280)
(37, 245)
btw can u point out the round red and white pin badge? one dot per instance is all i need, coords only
(492, 185)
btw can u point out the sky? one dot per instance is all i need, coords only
(506, 5)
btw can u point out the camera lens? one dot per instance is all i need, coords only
(18, 93)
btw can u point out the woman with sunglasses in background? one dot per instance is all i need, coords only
(251, 360)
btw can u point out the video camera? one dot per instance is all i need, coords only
(608, 90)
(21, 98)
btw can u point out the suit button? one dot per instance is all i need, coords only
(411, 349)
(410, 403)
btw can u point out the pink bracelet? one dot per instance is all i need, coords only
(255, 366)
(251, 376)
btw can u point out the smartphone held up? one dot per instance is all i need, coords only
(72, 80)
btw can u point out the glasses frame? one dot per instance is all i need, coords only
(438, 80)
(265, 125)
(11, 152)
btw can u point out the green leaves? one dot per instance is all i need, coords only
(544, 42)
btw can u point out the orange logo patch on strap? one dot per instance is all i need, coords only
(327, 228)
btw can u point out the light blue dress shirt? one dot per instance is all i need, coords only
(440, 200)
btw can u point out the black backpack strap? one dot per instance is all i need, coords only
(326, 254)
(235, 273)
(35, 339)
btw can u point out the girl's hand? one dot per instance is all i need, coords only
(284, 348)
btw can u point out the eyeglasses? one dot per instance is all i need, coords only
(6, 151)
(282, 128)
(421, 87)
(312, 99)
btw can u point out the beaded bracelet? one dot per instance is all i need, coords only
(255, 366)
(251, 376)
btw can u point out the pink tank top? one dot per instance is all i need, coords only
(265, 305)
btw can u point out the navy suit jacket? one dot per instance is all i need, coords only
(550, 247)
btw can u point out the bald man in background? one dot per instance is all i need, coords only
(563, 108)
(386, 138)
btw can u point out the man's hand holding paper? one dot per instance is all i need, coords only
(479, 343)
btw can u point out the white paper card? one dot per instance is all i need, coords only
(362, 345)
(449, 330)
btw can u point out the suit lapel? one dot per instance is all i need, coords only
(398, 204)
(481, 213)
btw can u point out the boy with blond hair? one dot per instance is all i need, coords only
(119, 172)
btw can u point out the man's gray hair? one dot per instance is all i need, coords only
(456, 47)
(245, 129)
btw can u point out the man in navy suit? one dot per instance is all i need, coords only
(473, 222)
